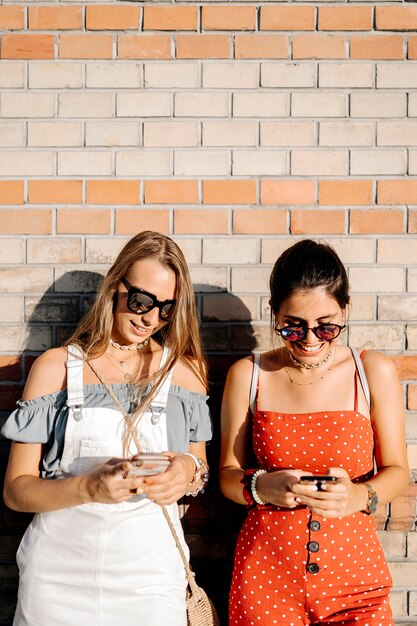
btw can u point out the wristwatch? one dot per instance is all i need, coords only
(372, 503)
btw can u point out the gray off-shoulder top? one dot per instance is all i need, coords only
(43, 420)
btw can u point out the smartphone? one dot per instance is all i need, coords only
(149, 464)
(318, 480)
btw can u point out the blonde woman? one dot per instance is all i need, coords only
(132, 379)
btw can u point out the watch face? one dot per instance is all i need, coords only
(373, 504)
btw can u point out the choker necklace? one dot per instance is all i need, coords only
(315, 380)
(309, 366)
(133, 346)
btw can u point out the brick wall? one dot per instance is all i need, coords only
(236, 128)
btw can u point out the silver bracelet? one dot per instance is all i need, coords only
(200, 478)
(254, 478)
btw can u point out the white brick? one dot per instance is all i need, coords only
(144, 104)
(191, 249)
(412, 344)
(12, 74)
(113, 75)
(319, 162)
(229, 133)
(26, 163)
(170, 134)
(27, 105)
(201, 163)
(250, 279)
(226, 307)
(371, 162)
(18, 338)
(349, 75)
(79, 279)
(377, 279)
(396, 75)
(377, 337)
(85, 163)
(412, 279)
(143, 163)
(201, 104)
(166, 75)
(288, 75)
(273, 248)
(362, 308)
(55, 134)
(259, 163)
(412, 104)
(412, 162)
(401, 308)
(396, 251)
(11, 250)
(404, 573)
(397, 134)
(12, 134)
(63, 250)
(11, 309)
(103, 250)
(325, 104)
(288, 134)
(352, 250)
(378, 104)
(346, 134)
(119, 133)
(261, 104)
(207, 279)
(25, 280)
(234, 251)
(82, 104)
(230, 75)
(56, 75)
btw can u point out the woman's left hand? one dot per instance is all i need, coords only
(171, 485)
(338, 499)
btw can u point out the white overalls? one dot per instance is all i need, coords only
(102, 564)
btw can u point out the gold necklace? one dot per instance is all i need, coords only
(294, 382)
(120, 364)
(308, 366)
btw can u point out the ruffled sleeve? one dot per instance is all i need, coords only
(188, 418)
(41, 420)
(200, 418)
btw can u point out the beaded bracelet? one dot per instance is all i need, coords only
(200, 478)
(254, 478)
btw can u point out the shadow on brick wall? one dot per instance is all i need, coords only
(211, 522)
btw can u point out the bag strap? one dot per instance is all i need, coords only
(75, 389)
(362, 376)
(254, 382)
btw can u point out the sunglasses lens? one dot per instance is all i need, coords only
(140, 302)
(166, 311)
(327, 332)
(293, 333)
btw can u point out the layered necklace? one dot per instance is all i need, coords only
(122, 364)
(297, 363)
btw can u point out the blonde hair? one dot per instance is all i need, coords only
(181, 335)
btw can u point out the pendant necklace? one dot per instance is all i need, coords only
(122, 363)
(309, 366)
(294, 382)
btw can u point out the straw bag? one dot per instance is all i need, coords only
(200, 609)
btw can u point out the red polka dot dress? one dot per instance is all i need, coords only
(292, 567)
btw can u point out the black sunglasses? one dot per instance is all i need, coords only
(324, 332)
(141, 301)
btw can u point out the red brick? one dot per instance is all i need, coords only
(196, 221)
(400, 17)
(87, 221)
(260, 221)
(370, 221)
(309, 222)
(203, 47)
(319, 46)
(387, 47)
(103, 17)
(55, 192)
(412, 221)
(397, 192)
(412, 397)
(144, 46)
(345, 18)
(11, 18)
(25, 222)
(113, 192)
(171, 191)
(130, 222)
(261, 46)
(406, 365)
(287, 18)
(345, 192)
(11, 191)
(287, 192)
(55, 17)
(170, 18)
(228, 17)
(412, 47)
(27, 47)
(85, 47)
(10, 367)
(229, 192)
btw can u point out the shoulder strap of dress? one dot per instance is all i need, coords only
(254, 381)
(75, 368)
(362, 376)
(161, 398)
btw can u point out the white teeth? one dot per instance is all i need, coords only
(311, 348)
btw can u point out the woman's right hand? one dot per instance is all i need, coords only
(276, 487)
(110, 483)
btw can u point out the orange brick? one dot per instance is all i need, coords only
(412, 47)
(144, 46)
(171, 191)
(406, 366)
(412, 397)
(113, 192)
(25, 221)
(261, 46)
(412, 221)
(55, 18)
(11, 191)
(27, 47)
(345, 18)
(85, 47)
(260, 221)
(377, 47)
(203, 47)
(397, 192)
(130, 222)
(319, 47)
(401, 17)
(209, 221)
(55, 192)
(102, 17)
(228, 17)
(309, 222)
(87, 221)
(287, 18)
(170, 18)
(370, 221)
(345, 192)
(229, 192)
(10, 367)
(12, 18)
(284, 192)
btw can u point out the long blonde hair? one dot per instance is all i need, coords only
(182, 333)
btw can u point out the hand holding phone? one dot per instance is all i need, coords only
(319, 480)
(148, 465)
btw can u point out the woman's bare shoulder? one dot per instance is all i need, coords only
(186, 375)
(47, 375)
